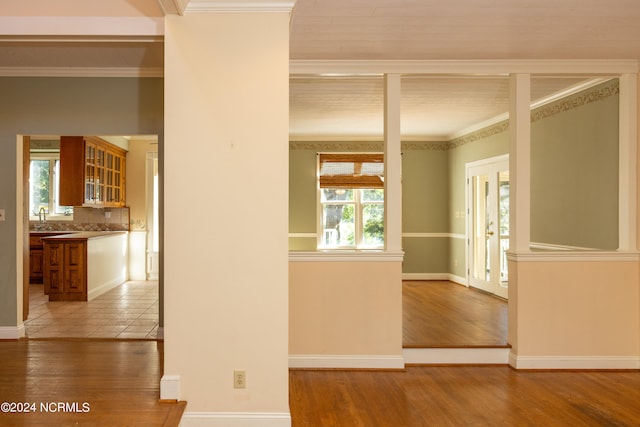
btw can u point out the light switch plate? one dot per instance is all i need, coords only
(2, 215)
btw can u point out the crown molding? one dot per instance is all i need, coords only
(80, 72)
(215, 6)
(467, 67)
(173, 7)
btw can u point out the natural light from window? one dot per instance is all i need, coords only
(44, 186)
(351, 201)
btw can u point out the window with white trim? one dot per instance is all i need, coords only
(44, 185)
(351, 200)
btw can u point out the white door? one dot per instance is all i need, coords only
(488, 224)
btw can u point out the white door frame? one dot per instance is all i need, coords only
(497, 162)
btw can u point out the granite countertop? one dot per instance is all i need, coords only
(51, 231)
(83, 235)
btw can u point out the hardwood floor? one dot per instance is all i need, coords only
(445, 314)
(98, 382)
(463, 396)
(119, 381)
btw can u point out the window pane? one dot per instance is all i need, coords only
(39, 186)
(339, 227)
(337, 194)
(373, 225)
(373, 195)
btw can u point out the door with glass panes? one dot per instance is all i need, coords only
(488, 224)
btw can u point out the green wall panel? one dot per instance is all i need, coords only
(302, 191)
(425, 254)
(425, 195)
(302, 243)
(574, 170)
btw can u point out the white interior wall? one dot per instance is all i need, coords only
(226, 204)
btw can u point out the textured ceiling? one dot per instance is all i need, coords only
(465, 29)
(433, 107)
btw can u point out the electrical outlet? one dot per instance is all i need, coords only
(2, 215)
(239, 379)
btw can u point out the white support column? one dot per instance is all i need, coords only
(520, 162)
(392, 164)
(627, 187)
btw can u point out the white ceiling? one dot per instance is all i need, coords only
(433, 107)
(465, 29)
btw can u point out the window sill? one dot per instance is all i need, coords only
(346, 255)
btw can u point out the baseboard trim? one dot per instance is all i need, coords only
(575, 362)
(346, 361)
(170, 387)
(236, 419)
(12, 332)
(457, 356)
(435, 276)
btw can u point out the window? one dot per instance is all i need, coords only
(44, 185)
(351, 200)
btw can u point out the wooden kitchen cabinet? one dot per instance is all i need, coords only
(92, 172)
(65, 270)
(36, 253)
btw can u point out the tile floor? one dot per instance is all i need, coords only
(127, 311)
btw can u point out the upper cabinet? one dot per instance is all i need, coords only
(92, 172)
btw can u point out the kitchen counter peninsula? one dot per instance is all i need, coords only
(81, 266)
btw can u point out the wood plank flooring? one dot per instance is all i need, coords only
(463, 396)
(445, 314)
(117, 381)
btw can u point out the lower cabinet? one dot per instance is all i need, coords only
(36, 254)
(35, 264)
(65, 270)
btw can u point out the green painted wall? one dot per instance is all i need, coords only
(425, 197)
(424, 191)
(302, 191)
(574, 170)
(425, 255)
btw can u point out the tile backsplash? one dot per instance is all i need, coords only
(88, 219)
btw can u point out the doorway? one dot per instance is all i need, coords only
(131, 309)
(488, 224)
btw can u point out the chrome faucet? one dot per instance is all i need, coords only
(42, 215)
